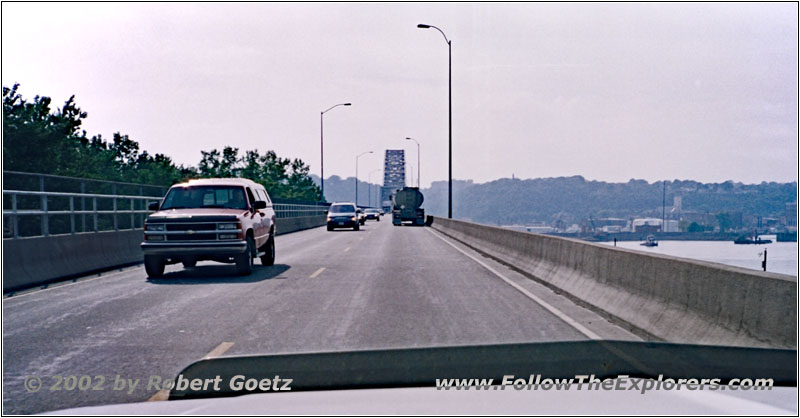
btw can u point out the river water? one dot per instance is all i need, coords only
(781, 256)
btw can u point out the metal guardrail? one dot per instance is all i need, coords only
(36, 204)
(54, 207)
(16, 180)
(44, 204)
(66, 213)
(286, 210)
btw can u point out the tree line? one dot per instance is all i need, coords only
(40, 139)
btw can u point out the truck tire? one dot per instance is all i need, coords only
(330, 228)
(356, 228)
(268, 258)
(244, 261)
(154, 266)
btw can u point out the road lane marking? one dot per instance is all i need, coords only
(163, 394)
(219, 350)
(347, 249)
(555, 311)
(316, 273)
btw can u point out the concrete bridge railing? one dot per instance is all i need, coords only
(667, 298)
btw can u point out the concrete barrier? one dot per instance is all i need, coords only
(34, 261)
(37, 260)
(669, 298)
(287, 225)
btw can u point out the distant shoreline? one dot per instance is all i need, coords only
(667, 236)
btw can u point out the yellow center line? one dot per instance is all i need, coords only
(163, 394)
(317, 273)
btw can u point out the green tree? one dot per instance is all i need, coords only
(725, 221)
(299, 185)
(36, 138)
(219, 164)
(283, 178)
(40, 140)
(695, 227)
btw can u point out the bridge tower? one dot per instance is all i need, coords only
(394, 176)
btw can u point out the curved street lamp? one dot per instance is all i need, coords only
(450, 117)
(321, 149)
(357, 157)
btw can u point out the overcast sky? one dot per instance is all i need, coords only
(608, 91)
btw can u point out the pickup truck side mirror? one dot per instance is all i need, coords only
(259, 204)
(358, 210)
(153, 206)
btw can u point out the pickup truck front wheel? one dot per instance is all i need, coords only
(268, 258)
(154, 266)
(244, 261)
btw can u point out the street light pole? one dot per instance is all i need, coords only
(418, 170)
(357, 157)
(321, 149)
(449, 116)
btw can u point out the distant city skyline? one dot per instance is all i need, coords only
(608, 91)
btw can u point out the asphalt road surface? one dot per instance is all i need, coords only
(380, 287)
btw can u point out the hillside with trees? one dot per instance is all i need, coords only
(40, 139)
(573, 199)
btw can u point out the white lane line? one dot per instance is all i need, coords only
(347, 249)
(219, 350)
(561, 315)
(163, 394)
(54, 286)
(317, 273)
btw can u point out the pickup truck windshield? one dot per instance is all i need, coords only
(230, 197)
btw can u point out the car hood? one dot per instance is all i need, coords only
(405, 381)
(424, 401)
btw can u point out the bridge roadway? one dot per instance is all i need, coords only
(381, 287)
